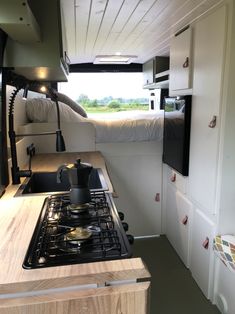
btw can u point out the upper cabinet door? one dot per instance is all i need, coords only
(209, 43)
(180, 61)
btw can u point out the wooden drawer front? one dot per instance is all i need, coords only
(201, 251)
(178, 220)
(127, 299)
(176, 179)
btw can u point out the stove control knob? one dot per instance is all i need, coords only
(121, 216)
(130, 238)
(125, 226)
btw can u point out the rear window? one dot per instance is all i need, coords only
(101, 93)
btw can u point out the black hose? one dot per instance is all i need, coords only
(11, 132)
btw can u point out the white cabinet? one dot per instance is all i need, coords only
(209, 38)
(224, 288)
(148, 72)
(178, 220)
(177, 180)
(180, 61)
(202, 251)
(135, 170)
(156, 73)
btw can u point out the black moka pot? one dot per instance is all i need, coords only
(78, 174)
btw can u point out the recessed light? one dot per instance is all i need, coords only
(114, 59)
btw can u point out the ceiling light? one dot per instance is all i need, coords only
(43, 89)
(114, 59)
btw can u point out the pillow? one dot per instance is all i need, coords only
(44, 110)
(72, 104)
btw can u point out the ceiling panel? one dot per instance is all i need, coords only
(112, 12)
(135, 27)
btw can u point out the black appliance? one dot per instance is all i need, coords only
(71, 234)
(79, 175)
(176, 138)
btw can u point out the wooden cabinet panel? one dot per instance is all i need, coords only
(201, 251)
(180, 61)
(209, 35)
(127, 299)
(178, 221)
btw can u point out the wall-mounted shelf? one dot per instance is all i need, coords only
(156, 73)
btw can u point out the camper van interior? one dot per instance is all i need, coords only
(130, 211)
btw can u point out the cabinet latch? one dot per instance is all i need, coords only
(185, 220)
(186, 63)
(205, 243)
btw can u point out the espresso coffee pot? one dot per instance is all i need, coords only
(78, 174)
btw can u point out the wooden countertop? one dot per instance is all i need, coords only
(18, 217)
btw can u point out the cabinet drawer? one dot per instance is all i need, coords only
(178, 221)
(201, 251)
(176, 179)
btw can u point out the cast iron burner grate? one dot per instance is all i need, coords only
(67, 235)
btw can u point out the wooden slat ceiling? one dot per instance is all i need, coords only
(132, 27)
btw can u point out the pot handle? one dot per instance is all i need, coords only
(59, 172)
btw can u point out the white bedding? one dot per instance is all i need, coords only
(129, 127)
(133, 126)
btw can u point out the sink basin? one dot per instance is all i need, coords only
(45, 183)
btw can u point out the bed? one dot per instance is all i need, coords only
(133, 126)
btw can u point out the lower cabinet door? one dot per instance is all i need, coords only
(126, 299)
(202, 251)
(178, 219)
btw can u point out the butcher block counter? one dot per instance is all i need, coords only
(118, 286)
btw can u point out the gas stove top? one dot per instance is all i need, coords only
(71, 234)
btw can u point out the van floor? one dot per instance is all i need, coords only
(173, 289)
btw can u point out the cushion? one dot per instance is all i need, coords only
(72, 104)
(44, 110)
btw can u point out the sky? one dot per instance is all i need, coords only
(99, 85)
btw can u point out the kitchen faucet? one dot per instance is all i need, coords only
(16, 172)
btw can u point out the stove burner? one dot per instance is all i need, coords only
(78, 234)
(78, 208)
(74, 239)
(71, 233)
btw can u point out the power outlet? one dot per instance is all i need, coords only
(30, 150)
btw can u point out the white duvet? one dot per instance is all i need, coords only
(129, 127)
(132, 126)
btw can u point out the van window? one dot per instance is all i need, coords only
(101, 93)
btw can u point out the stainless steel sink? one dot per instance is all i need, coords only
(45, 183)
